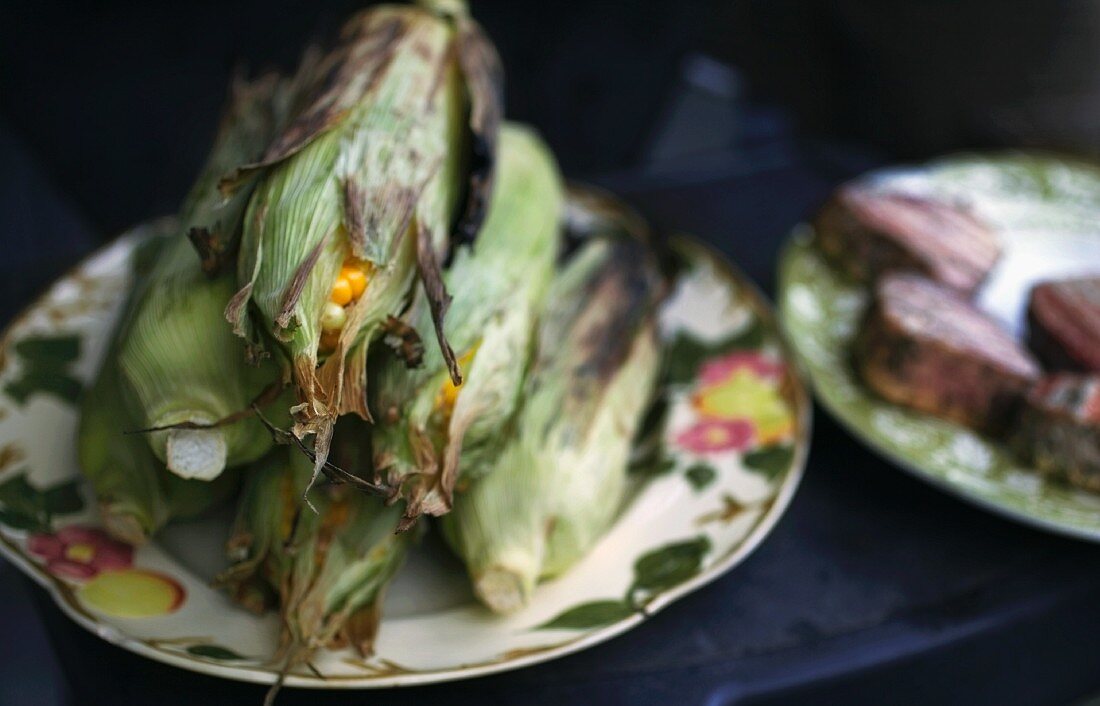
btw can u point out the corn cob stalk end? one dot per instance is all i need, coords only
(506, 586)
(196, 453)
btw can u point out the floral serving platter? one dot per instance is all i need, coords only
(1046, 212)
(721, 458)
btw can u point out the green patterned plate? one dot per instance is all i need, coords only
(1047, 213)
(713, 476)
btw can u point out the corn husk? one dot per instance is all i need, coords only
(430, 434)
(398, 125)
(255, 112)
(559, 480)
(326, 570)
(136, 495)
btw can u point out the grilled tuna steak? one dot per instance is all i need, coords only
(1059, 428)
(923, 346)
(867, 234)
(1064, 324)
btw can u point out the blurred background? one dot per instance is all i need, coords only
(729, 118)
(118, 98)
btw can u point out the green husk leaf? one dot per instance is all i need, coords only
(211, 216)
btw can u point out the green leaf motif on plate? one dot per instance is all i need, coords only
(24, 507)
(654, 571)
(700, 475)
(49, 351)
(652, 463)
(63, 498)
(45, 370)
(47, 382)
(18, 495)
(669, 565)
(586, 616)
(686, 353)
(770, 461)
(19, 521)
(215, 652)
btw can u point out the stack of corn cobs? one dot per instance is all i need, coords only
(378, 302)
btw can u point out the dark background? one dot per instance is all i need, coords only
(728, 118)
(118, 98)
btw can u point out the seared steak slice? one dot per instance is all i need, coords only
(924, 346)
(1059, 428)
(1064, 323)
(868, 234)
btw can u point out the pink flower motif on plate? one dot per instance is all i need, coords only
(80, 553)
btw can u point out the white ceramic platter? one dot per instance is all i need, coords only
(728, 459)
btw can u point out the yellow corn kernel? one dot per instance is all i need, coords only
(341, 292)
(333, 317)
(357, 278)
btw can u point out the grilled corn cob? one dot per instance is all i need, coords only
(559, 480)
(359, 196)
(328, 570)
(136, 495)
(430, 432)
